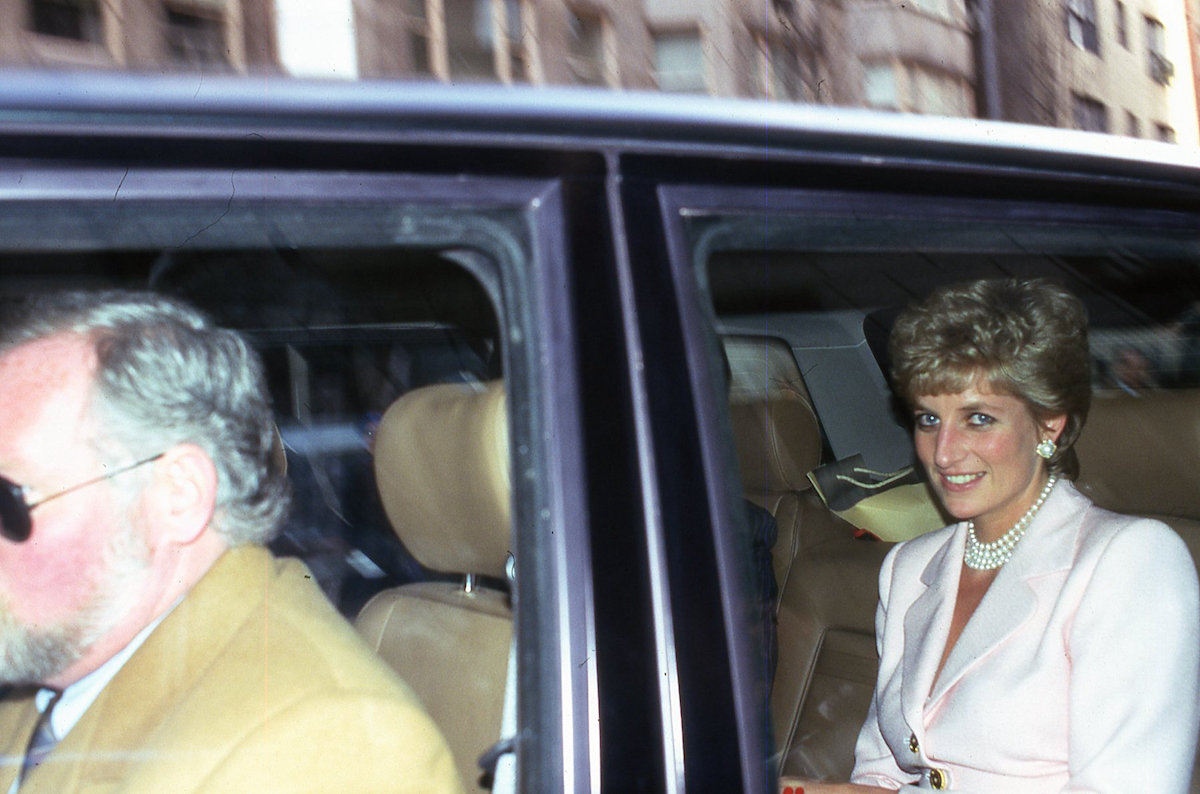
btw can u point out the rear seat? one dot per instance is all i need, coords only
(827, 579)
(1141, 455)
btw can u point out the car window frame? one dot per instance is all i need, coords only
(555, 686)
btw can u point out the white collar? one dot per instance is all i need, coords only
(77, 697)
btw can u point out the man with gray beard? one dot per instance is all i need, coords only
(139, 482)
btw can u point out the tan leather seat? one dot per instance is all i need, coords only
(1140, 455)
(828, 580)
(776, 434)
(441, 463)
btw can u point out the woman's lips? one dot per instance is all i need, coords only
(957, 483)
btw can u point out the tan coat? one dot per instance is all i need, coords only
(254, 683)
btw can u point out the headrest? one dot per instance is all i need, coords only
(775, 428)
(441, 463)
(1140, 454)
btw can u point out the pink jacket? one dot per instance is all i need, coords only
(1079, 671)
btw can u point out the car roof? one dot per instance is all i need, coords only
(628, 121)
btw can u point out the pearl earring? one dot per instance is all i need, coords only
(1046, 449)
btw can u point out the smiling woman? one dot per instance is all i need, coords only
(1004, 637)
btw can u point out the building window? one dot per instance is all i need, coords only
(416, 23)
(937, 93)
(952, 11)
(879, 87)
(196, 40)
(1161, 69)
(1081, 25)
(470, 39)
(679, 62)
(915, 89)
(520, 41)
(1164, 132)
(779, 75)
(1132, 127)
(1122, 25)
(1090, 114)
(482, 40)
(67, 19)
(589, 55)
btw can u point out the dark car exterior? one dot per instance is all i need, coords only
(587, 225)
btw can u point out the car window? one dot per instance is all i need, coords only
(801, 290)
(832, 288)
(346, 312)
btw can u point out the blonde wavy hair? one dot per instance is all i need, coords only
(1023, 337)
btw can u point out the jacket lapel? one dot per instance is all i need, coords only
(1011, 600)
(927, 625)
(18, 715)
(113, 736)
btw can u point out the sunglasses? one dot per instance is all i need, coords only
(15, 520)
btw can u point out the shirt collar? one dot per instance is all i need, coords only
(77, 697)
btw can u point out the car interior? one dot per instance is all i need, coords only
(1138, 452)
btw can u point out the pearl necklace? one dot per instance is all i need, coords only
(989, 556)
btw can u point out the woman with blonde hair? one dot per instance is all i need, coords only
(1041, 643)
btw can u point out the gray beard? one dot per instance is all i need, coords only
(33, 654)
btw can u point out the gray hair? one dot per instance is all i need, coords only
(167, 375)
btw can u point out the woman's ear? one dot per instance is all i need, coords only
(185, 493)
(1052, 428)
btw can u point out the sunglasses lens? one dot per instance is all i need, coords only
(14, 515)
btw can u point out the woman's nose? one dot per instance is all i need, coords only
(949, 449)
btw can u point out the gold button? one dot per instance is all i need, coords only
(912, 743)
(937, 779)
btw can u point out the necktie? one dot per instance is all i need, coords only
(41, 742)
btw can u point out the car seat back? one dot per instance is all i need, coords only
(441, 464)
(1139, 454)
(827, 577)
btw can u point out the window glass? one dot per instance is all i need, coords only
(679, 62)
(1133, 127)
(586, 57)
(879, 87)
(470, 37)
(938, 93)
(1161, 69)
(1081, 25)
(417, 26)
(780, 75)
(68, 19)
(948, 10)
(1142, 290)
(521, 39)
(1090, 114)
(804, 297)
(196, 39)
(348, 311)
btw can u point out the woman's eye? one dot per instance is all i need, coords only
(980, 420)
(924, 421)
